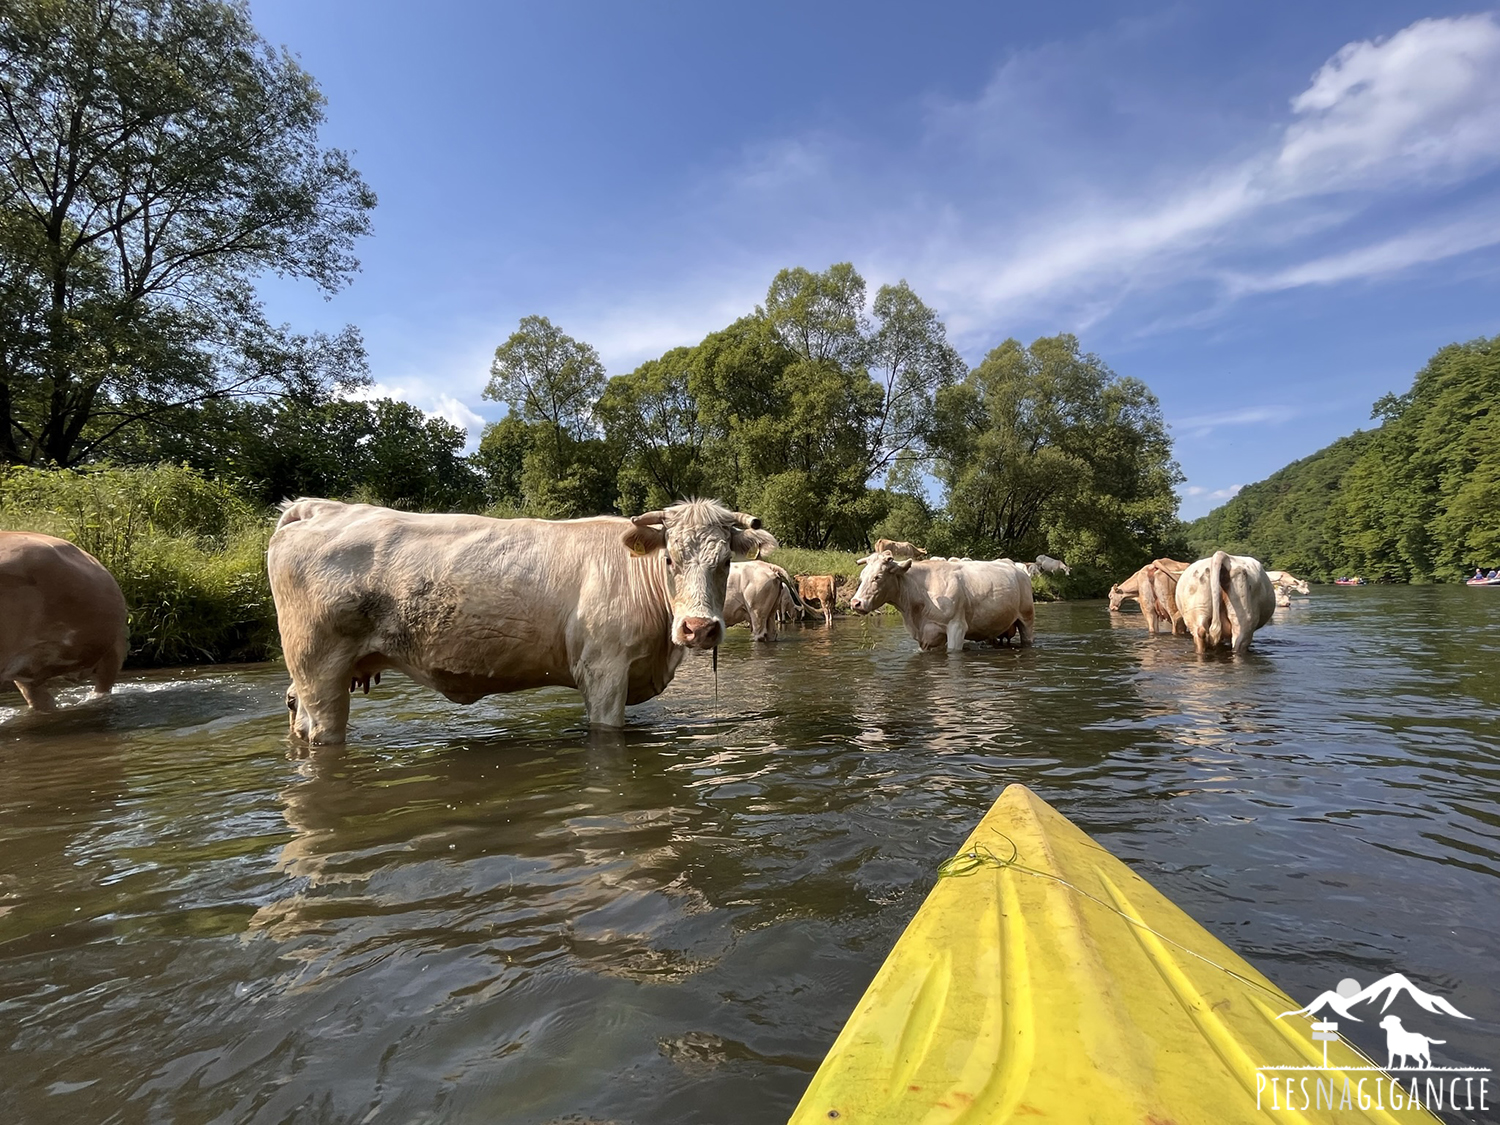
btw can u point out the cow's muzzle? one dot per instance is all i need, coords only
(699, 632)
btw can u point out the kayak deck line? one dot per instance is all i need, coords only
(1042, 978)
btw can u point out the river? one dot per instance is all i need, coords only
(481, 914)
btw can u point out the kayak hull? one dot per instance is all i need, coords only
(1042, 979)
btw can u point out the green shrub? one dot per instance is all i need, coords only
(189, 554)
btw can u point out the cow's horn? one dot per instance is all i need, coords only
(744, 520)
(657, 517)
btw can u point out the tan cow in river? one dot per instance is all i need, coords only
(1289, 583)
(1154, 586)
(63, 616)
(472, 606)
(1224, 599)
(899, 549)
(944, 603)
(820, 588)
(754, 595)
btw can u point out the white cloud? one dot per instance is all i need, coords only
(1424, 103)
(430, 401)
(1244, 416)
(1197, 492)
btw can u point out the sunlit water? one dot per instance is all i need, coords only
(478, 914)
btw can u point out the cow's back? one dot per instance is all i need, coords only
(996, 593)
(467, 604)
(63, 611)
(989, 595)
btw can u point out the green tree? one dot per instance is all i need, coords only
(383, 451)
(547, 376)
(1414, 500)
(651, 418)
(1045, 449)
(156, 156)
(911, 360)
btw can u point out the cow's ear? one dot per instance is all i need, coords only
(751, 543)
(904, 565)
(644, 539)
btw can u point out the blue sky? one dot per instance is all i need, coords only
(1271, 213)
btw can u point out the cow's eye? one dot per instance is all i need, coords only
(669, 562)
(724, 564)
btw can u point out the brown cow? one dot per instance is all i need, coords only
(822, 589)
(1154, 586)
(64, 616)
(898, 549)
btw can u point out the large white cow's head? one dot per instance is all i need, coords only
(878, 582)
(697, 539)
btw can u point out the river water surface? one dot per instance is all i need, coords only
(479, 914)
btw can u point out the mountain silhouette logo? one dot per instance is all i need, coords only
(1349, 993)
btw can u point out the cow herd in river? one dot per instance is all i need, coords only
(472, 606)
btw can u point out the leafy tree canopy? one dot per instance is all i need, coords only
(1417, 499)
(156, 156)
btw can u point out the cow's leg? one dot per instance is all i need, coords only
(604, 694)
(37, 697)
(106, 672)
(957, 628)
(318, 699)
(1027, 622)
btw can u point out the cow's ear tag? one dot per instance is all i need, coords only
(638, 550)
(754, 553)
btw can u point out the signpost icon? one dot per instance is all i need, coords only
(1328, 1032)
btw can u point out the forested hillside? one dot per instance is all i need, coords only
(1415, 500)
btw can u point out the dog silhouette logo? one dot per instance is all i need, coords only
(1402, 1044)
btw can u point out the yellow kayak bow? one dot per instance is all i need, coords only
(1043, 980)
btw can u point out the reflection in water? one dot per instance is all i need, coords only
(485, 913)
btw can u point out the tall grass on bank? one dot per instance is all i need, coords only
(189, 554)
(800, 560)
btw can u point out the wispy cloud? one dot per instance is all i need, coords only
(997, 215)
(1201, 425)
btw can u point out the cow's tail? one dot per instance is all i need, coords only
(1216, 620)
(791, 588)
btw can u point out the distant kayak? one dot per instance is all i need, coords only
(1349, 582)
(1483, 582)
(1043, 980)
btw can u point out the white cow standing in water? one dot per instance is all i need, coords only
(754, 596)
(943, 602)
(472, 606)
(1224, 599)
